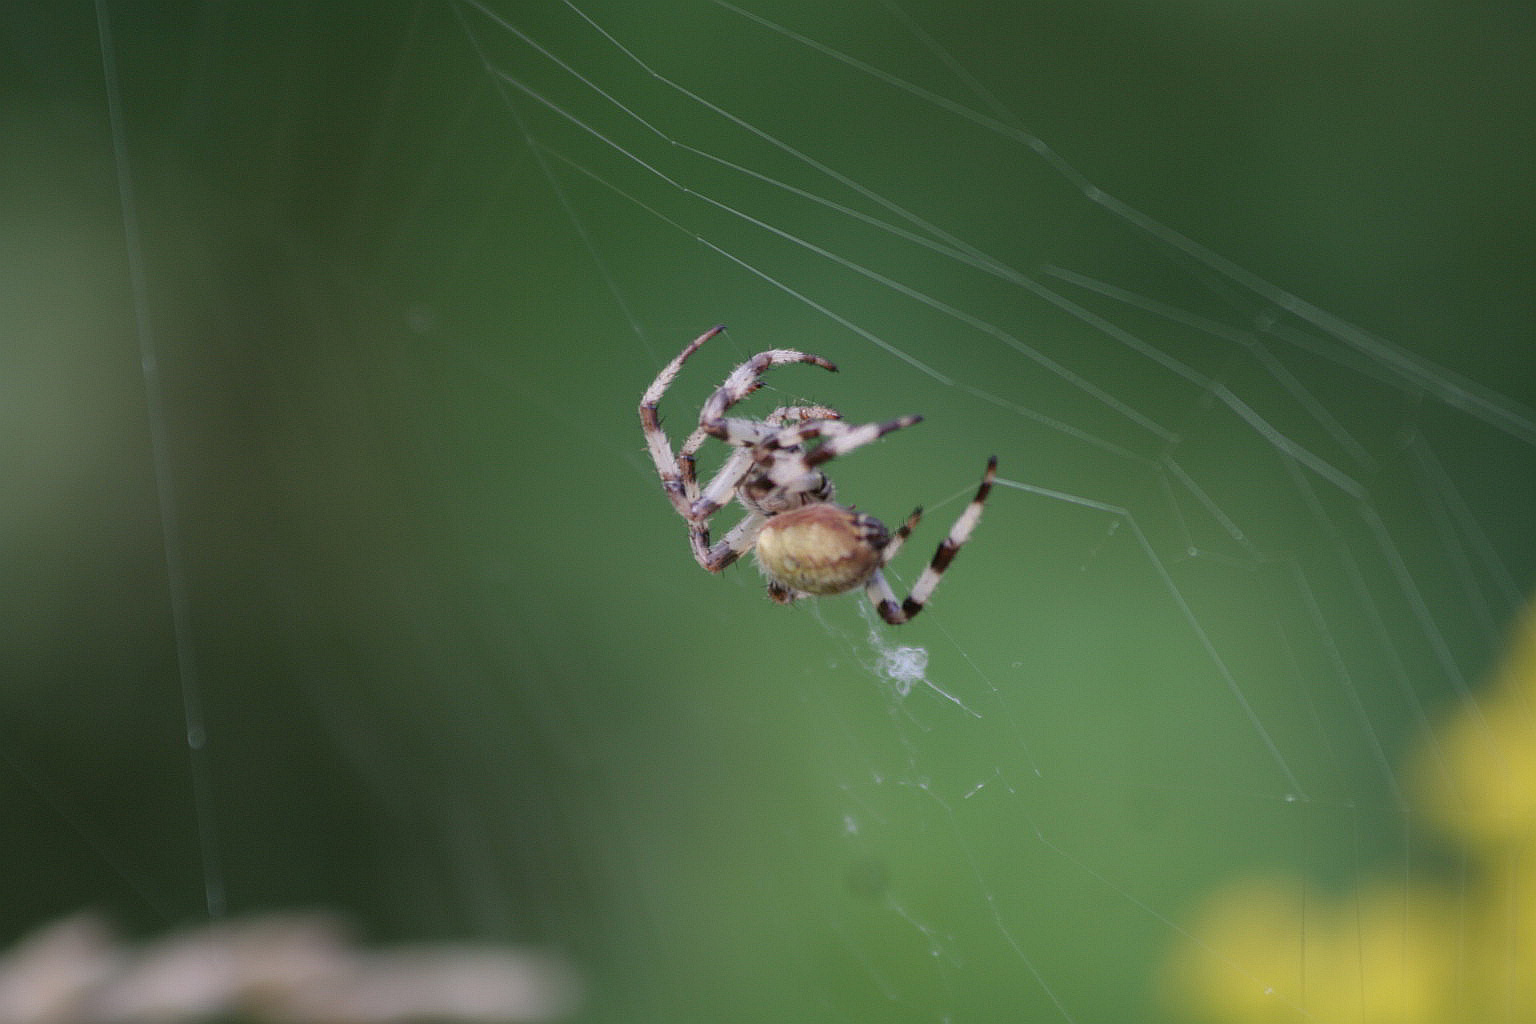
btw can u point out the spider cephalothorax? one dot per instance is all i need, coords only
(806, 543)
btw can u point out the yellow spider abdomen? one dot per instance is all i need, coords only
(821, 549)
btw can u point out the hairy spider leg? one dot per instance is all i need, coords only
(900, 536)
(737, 542)
(798, 413)
(879, 591)
(797, 471)
(677, 471)
(741, 433)
(672, 480)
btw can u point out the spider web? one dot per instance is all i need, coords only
(342, 578)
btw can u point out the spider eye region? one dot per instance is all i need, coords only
(821, 549)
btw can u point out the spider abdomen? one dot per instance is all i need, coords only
(821, 549)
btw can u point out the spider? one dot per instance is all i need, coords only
(806, 543)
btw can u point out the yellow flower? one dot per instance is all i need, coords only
(1476, 776)
(1271, 950)
(1414, 949)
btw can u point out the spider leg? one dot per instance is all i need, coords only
(673, 481)
(884, 599)
(737, 542)
(799, 414)
(730, 474)
(795, 471)
(781, 594)
(900, 536)
(879, 590)
(678, 477)
(717, 493)
(722, 486)
(840, 439)
(742, 381)
(773, 453)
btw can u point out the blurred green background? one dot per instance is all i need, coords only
(364, 353)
